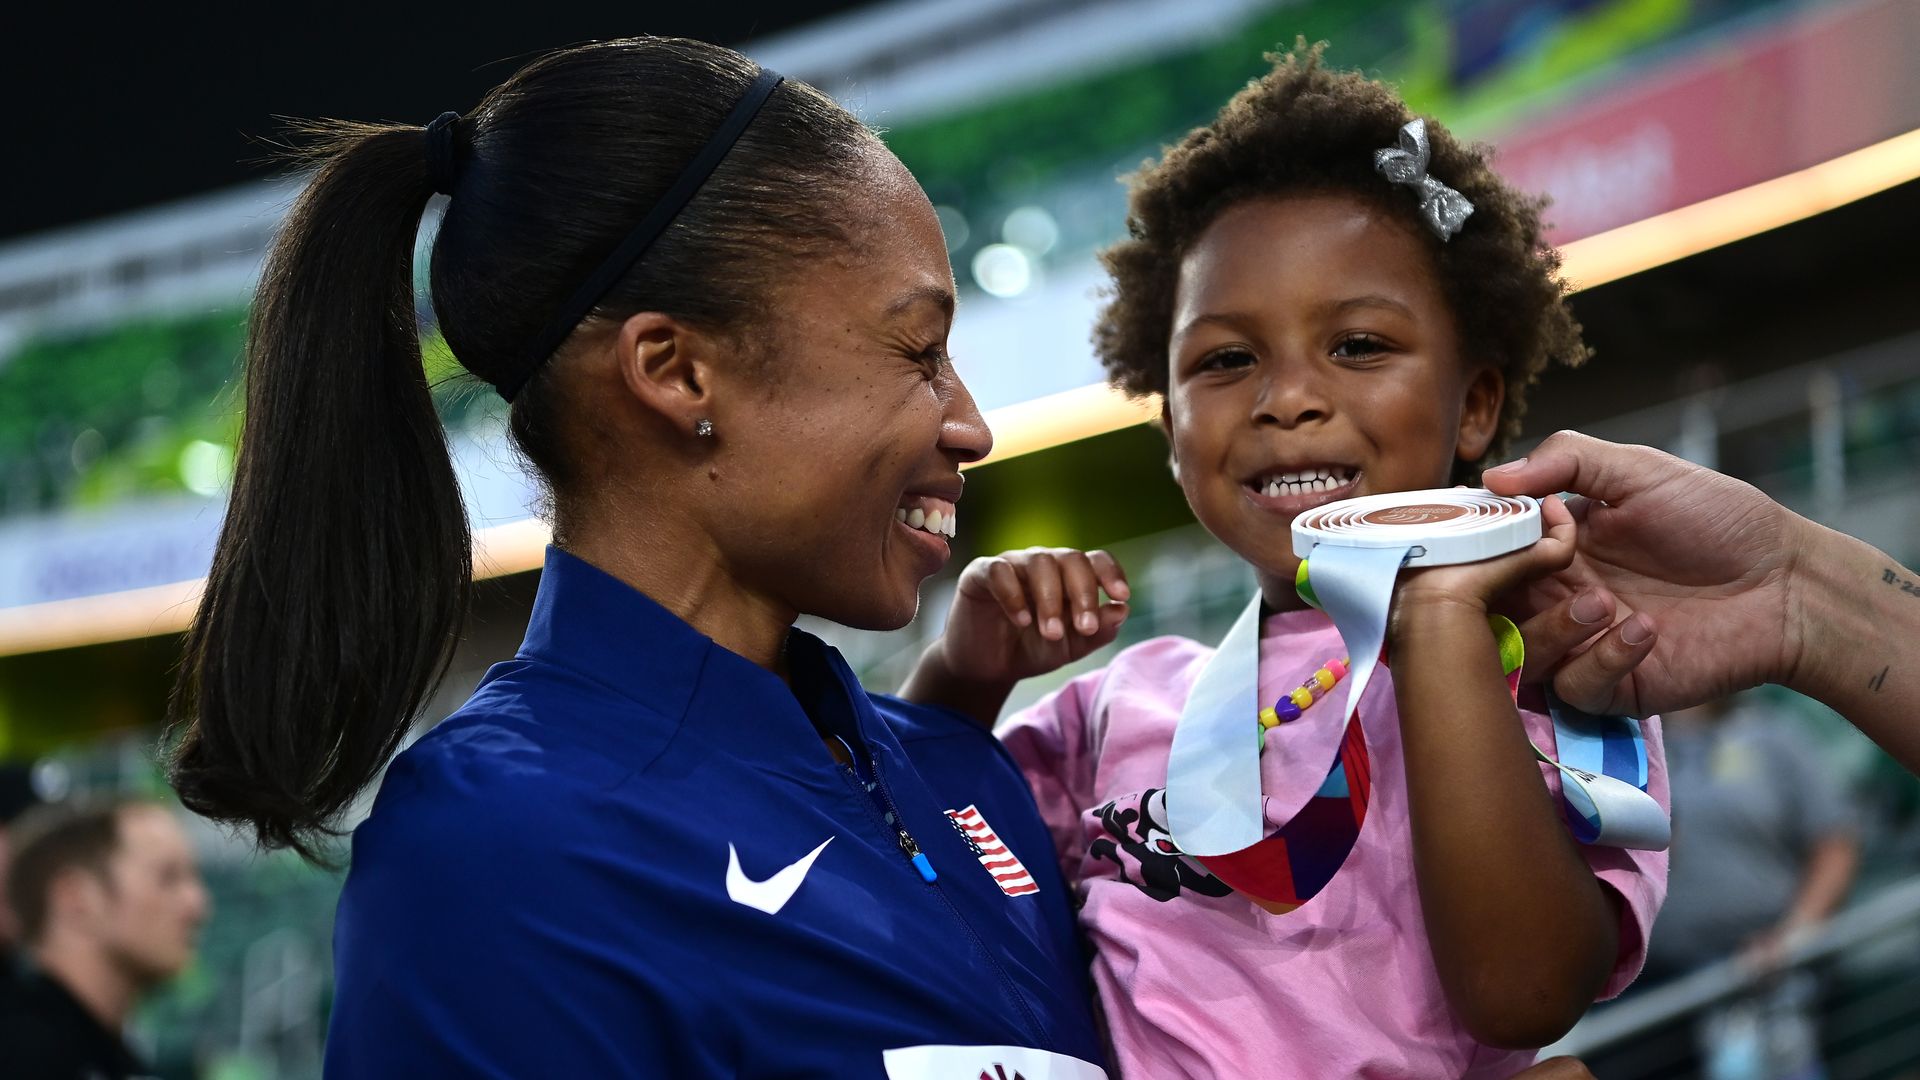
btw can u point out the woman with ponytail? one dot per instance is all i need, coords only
(672, 836)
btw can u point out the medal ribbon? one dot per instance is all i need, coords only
(1218, 813)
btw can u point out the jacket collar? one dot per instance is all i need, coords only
(593, 624)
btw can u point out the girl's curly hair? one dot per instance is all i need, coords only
(1305, 129)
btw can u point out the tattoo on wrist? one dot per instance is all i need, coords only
(1874, 684)
(1899, 582)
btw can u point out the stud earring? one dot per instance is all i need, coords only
(703, 428)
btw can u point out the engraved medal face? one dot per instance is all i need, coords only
(1448, 525)
(1413, 514)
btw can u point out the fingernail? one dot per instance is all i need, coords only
(1119, 591)
(1636, 630)
(1025, 618)
(1087, 622)
(1052, 629)
(1588, 609)
(1506, 466)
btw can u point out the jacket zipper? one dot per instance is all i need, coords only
(901, 837)
(907, 846)
(913, 853)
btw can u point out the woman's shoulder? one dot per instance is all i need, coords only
(494, 769)
(539, 728)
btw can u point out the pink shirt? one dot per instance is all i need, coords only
(1201, 985)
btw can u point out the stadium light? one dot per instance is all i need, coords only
(1723, 219)
(1058, 419)
(91, 620)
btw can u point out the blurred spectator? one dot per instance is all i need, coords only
(17, 795)
(1765, 846)
(109, 903)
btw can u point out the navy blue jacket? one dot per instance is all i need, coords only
(609, 863)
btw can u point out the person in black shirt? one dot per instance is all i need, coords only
(17, 796)
(47, 1034)
(109, 903)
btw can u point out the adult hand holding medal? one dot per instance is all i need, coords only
(1726, 589)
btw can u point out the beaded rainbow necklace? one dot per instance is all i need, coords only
(1297, 701)
(1291, 705)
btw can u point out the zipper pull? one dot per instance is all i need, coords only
(919, 858)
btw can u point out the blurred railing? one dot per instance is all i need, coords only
(1867, 958)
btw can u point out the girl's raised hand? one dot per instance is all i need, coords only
(1026, 613)
(1016, 615)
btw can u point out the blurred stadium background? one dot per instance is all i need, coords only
(1734, 185)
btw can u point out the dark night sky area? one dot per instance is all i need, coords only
(110, 108)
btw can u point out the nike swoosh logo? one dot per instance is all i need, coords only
(772, 894)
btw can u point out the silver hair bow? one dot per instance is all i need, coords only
(1444, 208)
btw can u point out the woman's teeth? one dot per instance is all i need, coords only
(1306, 481)
(931, 521)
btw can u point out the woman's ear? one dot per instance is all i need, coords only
(666, 365)
(1480, 414)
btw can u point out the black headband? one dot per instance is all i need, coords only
(443, 157)
(616, 265)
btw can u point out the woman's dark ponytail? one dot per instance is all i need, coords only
(343, 566)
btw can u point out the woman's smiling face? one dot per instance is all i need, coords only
(1314, 358)
(838, 478)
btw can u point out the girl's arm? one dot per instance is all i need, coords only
(1523, 934)
(1016, 615)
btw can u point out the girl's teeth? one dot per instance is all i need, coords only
(1309, 481)
(916, 518)
(934, 521)
(900, 514)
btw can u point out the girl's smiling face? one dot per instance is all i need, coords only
(1314, 358)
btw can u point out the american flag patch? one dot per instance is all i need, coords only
(1006, 868)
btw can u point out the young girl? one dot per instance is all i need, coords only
(1321, 324)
